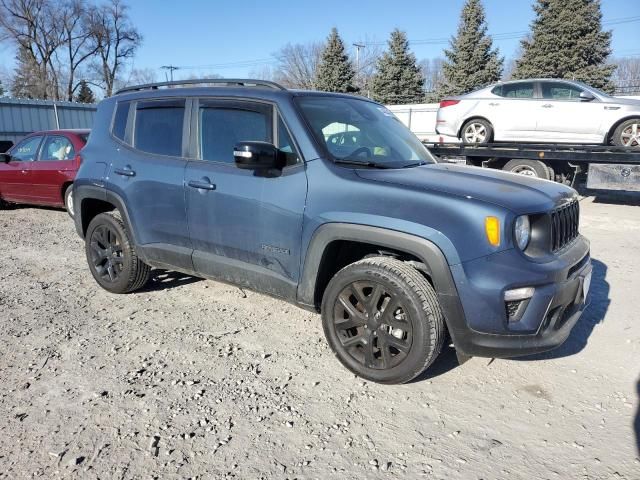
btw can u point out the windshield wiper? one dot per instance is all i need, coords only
(414, 164)
(361, 163)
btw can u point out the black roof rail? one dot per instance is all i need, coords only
(238, 82)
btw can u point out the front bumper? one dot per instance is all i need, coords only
(557, 304)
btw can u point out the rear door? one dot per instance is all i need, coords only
(565, 117)
(245, 226)
(515, 114)
(54, 167)
(147, 173)
(15, 176)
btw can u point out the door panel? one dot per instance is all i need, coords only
(565, 118)
(149, 177)
(54, 167)
(246, 227)
(15, 176)
(515, 114)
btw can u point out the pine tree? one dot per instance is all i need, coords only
(471, 60)
(399, 79)
(335, 72)
(85, 94)
(27, 82)
(1, 89)
(567, 41)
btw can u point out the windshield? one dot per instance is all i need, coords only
(361, 132)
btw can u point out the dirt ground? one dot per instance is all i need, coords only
(197, 379)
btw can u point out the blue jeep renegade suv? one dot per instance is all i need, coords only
(329, 202)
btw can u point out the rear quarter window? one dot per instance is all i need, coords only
(119, 127)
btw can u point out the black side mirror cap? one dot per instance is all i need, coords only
(257, 156)
(6, 158)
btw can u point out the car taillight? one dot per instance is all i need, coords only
(448, 103)
(78, 159)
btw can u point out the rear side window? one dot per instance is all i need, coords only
(158, 127)
(223, 124)
(515, 90)
(120, 120)
(57, 148)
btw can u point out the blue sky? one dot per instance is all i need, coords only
(213, 35)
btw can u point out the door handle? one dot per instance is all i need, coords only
(24, 171)
(494, 104)
(204, 184)
(608, 107)
(547, 105)
(125, 172)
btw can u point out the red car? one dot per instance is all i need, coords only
(40, 168)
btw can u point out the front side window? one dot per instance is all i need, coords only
(361, 131)
(515, 90)
(224, 124)
(26, 150)
(158, 127)
(560, 91)
(57, 148)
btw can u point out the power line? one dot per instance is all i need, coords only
(427, 41)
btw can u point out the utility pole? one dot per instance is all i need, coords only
(358, 47)
(171, 68)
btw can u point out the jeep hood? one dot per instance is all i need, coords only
(518, 193)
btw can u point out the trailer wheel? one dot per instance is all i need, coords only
(530, 168)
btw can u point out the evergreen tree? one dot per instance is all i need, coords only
(399, 79)
(85, 94)
(1, 89)
(471, 61)
(335, 72)
(27, 81)
(567, 41)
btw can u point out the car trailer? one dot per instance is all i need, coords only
(607, 167)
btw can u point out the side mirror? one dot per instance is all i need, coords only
(257, 156)
(5, 157)
(586, 96)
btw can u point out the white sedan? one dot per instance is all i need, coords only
(541, 111)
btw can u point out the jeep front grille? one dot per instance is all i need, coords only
(564, 225)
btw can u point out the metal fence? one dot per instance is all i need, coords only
(20, 117)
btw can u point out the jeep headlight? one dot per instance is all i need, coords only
(522, 231)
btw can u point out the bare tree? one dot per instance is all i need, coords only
(626, 77)
(297, 63)
(115, 40)
(31, 25)
(76, 29)
(432, 72)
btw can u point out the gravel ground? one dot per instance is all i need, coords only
(197, 379)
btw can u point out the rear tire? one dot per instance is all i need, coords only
(530, 168)
(68, 201)
(382, 320)
(477, 132)
(112, 256)
(627, 134)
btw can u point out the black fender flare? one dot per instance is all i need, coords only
(83, 192)
(425, 250)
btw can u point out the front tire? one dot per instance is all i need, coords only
(627, 134)
(112, 256)
(477, 132)
(382, 320)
